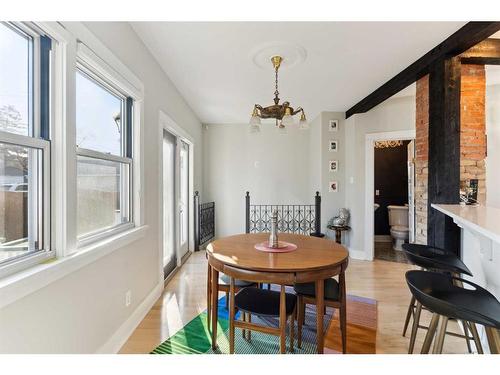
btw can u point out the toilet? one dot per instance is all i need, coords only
(398, 221)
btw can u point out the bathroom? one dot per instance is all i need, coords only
(393, 184)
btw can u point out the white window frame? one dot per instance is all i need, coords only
(126, 196)
(42, 197)
(96, 60)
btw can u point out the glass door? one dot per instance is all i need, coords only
(169, 203)
(184, 198)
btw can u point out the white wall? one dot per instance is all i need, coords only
(80, 312)
(392, 115)
(273, 167)
(493, 144)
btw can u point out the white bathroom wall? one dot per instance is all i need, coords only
(83, 311)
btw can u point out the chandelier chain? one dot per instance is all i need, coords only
(276, 93)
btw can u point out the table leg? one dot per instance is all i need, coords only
(215, 305)
(320, 310)
(209, 297)
(338, 236)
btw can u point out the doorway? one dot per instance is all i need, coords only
(176, 212)
(402, 206)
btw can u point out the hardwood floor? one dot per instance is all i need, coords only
(184, 298)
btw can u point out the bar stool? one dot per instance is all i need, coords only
(446, 298)
(432, 259)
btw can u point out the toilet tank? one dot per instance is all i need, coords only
(398, 215)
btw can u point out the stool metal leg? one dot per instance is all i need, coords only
(438, 343)
(409, 313)
(414, 328)
(477, 340)
(430, 334)
(493, 336)
(466, 334)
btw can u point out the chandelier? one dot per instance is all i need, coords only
(387, 144)
(283, 113)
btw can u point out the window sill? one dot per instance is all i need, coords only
(21, 284)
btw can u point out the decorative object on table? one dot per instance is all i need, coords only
(468, 191)
(333, 145)
(333, 125)
(281, 247)
(273, 236)
(281, 112)
(334, 165)
(342, 219)
(333, 187)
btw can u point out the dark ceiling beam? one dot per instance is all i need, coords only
(466, 37)
(486, 52)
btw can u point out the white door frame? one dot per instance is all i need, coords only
(370, 180)
(168, 124)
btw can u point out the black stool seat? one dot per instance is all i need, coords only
(263, 302)
(439, 293)
(432, 258)
(309, 289)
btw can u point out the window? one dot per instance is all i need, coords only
(104, 156)
(24, 143)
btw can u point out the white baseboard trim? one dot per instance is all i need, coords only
(115, 342)
(357, 254)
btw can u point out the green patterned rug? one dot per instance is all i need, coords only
(195, 337)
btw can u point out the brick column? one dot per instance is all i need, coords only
(473, 127)
(421, 158)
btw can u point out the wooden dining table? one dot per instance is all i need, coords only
(314, 260)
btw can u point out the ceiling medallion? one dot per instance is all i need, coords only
(387, 144)
(283, 113)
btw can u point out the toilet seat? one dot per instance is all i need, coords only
(399, 229)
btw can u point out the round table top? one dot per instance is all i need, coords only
(312, 253)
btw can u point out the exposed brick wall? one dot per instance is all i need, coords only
(421, 158)
(473, 127)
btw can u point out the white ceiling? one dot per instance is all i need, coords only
(211, 62)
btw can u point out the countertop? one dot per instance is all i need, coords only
(482, 219)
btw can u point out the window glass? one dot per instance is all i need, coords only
(15, 81)
(102, 201)
(98, 117)
(18, 195)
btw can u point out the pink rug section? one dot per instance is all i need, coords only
(283, 247)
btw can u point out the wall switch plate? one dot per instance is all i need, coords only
(128, 298)
(377, 192)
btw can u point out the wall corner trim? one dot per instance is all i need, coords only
(121, 335)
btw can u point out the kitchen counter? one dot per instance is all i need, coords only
(480, 244)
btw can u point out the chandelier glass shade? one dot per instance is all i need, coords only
(282, 113)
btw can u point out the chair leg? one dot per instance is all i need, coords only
(292, 329)
(300, 321)
(343, 325)
(409, 313)
(438, 344)
(414, 328)
(466, 334)
(282, 320)
(249, 332)
(227, 300)
(243, 319)
(477, 340)
(209, 297)
(231, 317)
(430, 334)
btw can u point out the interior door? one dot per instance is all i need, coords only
(411, 190)
(169, 203)
(183, 198)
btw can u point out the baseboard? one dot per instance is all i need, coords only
(114, 344)
(357, 254)
(382, 238)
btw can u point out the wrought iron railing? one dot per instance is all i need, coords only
(204, 221)
(292, 218)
